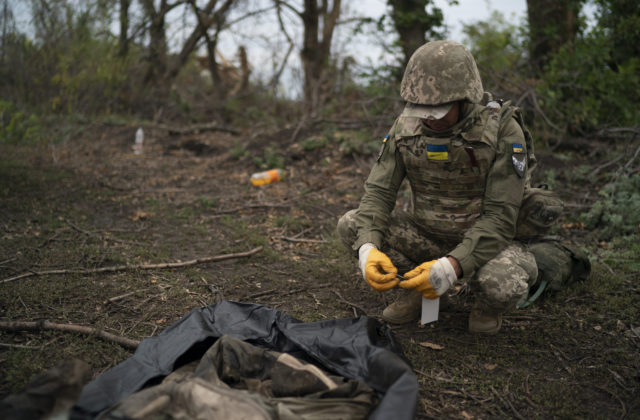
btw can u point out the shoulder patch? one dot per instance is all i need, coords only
(384, 144)
(519, 159)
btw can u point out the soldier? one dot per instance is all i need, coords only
(469, 168)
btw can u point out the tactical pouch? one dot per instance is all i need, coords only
(540, 209)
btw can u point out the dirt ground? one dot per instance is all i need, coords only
(90, 202)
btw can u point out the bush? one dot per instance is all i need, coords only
(618, 212)
(594, 83)
(17, 126)
(497, 46)
(582, 89)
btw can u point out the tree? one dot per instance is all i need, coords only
(123, 40)
(415, 24)
(552, 24)
(620, 21)
(319, 22)
(207, 17)
(157, 57)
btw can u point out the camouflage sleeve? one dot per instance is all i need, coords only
(380, 190)
(496, 227)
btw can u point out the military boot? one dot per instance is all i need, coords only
(481, 322)
(406, 309)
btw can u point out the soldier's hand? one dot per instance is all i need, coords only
(377, 268)
(432, 278)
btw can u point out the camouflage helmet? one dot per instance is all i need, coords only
(440, 72)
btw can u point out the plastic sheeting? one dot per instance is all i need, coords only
(356, 348)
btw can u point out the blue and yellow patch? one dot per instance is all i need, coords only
(517, 148)
(437, 152)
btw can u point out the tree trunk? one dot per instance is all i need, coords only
(123, 43)
(552, 24)
(206, 19)
(316, 49)
(414, 24)
(157, 53)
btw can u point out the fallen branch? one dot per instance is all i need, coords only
(292, 239)
(46, 325)
(353, 305)
(252, 206)
(112, 269)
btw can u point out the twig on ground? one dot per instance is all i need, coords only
(46, 325)
(292, 239)
(120, 297)
(112, 269)
(253, 206)
(292, 292)
(259, 294)
(353, 305)
(20, 346)
(508, 403)
(8, 261)
(93, 234)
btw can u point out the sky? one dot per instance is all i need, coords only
(466, 11)
(265, 52)
(266, 45)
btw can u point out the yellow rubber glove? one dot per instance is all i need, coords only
(379, 271)
(432, 278)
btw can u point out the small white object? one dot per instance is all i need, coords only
(430, 309)
(363, 254)
(137, 146)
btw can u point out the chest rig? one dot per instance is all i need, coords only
(448, 174)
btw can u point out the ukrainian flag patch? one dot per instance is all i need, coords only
(437, 152)
(517, 148)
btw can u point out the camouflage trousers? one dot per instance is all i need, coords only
(498, 285)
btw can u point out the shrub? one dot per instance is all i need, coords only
(17, 126)
(618, 212)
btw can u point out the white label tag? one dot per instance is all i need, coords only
(430, 309)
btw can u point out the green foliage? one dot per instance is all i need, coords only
(617, 213)
(271, 159)
(497, 46)
(238, 151)
(314, 142)
(595, 82)
(623, 253)
(581, 88)
(70, 67)
(208, 202)
(360, 142)
(17, 126)
(620, 20)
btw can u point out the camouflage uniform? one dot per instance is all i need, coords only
(466, 194)
(467, 184)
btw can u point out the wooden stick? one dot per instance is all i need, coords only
(292, 239)
(353, 305)
(115, 268)
(46, 325)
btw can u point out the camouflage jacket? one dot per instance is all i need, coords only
(467, 183)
